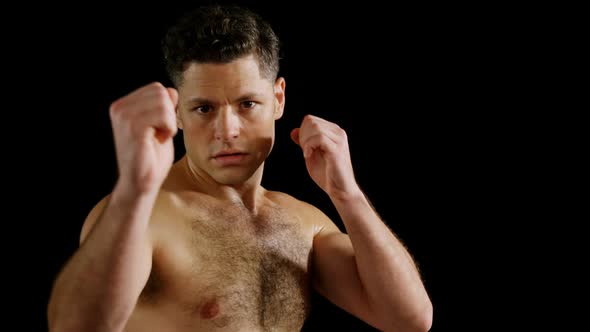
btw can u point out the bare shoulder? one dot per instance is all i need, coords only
(93, 216)
(307, 212)
(162, 203)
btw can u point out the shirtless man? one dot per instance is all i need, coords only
(199, 244)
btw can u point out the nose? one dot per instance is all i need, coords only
(227, 125)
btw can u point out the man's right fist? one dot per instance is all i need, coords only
(144, 124)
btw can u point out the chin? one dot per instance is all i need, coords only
(230, 178)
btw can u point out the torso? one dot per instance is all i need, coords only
(219, 267)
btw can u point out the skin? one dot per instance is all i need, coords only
(200, 245)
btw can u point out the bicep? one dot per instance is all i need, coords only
(335, 274)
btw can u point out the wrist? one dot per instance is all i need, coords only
(347, 197)
(126, 204)
(126, 195)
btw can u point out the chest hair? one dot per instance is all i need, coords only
(254, 265)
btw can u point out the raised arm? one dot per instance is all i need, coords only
(367, 271)
(99, 286)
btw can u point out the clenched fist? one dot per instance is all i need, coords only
(144, 124)
(327, 156)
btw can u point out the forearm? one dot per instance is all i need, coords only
(98, 287)
(392, 283)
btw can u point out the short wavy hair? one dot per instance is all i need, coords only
(220, 34)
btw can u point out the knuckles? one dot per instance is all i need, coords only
(153, 97)
(341, 133)
(313, 125)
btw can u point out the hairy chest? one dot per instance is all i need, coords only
(226, 266)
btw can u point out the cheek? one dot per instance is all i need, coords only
(198, 129)
(264, 128)
(196, 137)
(266, 136)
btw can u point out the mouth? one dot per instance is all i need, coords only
(230, 158)
(228, 154)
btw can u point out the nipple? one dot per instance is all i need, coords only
(210, 309)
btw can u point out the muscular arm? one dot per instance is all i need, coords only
(98, 287)
(100, 284)
(367, 271)
(381, 285)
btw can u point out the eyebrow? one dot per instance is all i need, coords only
(205, 101)
(200, 101)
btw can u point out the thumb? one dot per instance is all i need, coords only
(173, 95)
(295, 135)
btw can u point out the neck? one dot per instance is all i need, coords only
(248, 193)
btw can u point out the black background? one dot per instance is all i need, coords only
(425, 92)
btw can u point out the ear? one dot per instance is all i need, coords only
(279, 92)
(178, 118)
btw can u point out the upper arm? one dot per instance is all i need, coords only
(335, 274)
(137, 267)
(92, 217)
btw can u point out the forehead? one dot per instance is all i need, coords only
(210, 79)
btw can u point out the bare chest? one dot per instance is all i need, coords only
(227, 267)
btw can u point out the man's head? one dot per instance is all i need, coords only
(224, 62)
(218, 34)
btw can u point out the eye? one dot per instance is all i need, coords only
(248, 104)
(202, 109)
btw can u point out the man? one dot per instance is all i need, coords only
(199, 244)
